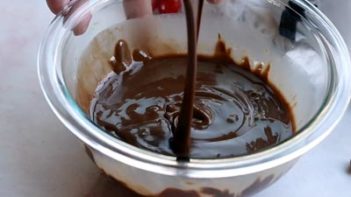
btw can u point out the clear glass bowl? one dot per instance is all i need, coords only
(309, 62)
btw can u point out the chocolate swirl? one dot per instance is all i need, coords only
(235, 111)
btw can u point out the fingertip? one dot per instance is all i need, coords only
(215, 1)
(82, 25)
(137, 8)
(57, 5)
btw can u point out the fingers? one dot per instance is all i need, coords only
(215, 1)
(133, 8)
(137, 8)
(83, 24)
(57, 5)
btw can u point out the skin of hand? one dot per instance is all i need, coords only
(133, 8)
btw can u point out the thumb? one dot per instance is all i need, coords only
(215, 1)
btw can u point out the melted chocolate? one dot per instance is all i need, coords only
(236, 112)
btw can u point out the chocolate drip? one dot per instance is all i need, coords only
(122, 58)
(181, 141)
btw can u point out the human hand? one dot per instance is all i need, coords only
(133, 9)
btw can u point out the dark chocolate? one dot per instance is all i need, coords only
(236, 111)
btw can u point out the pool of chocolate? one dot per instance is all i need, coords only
(236, 110)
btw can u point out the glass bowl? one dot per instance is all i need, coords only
(309, 62)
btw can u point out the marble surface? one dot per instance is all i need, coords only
(40, 157)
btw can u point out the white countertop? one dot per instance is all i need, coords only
(39, 157)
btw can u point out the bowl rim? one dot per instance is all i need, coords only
(65, 108)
